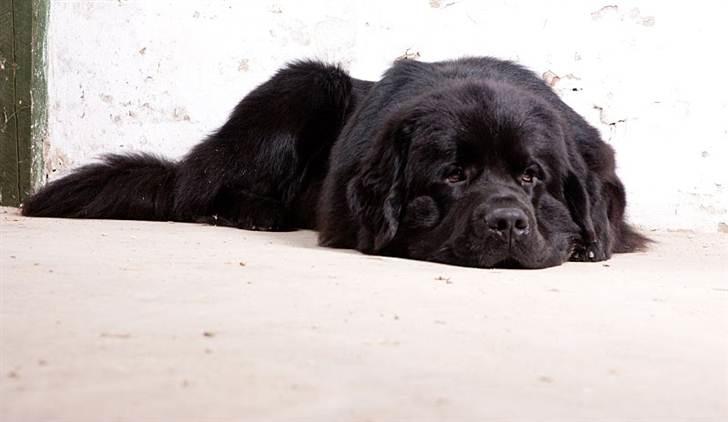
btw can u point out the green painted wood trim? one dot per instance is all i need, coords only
(23, 20)
(9, 187)
(22, 32)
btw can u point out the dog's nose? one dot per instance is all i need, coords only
(508, 221)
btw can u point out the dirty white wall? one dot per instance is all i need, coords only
(158, 75)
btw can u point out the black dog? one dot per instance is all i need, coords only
(471, 162)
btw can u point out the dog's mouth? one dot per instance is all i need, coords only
(510, 264)
(472, 245)
(475, 261)
(492, 252)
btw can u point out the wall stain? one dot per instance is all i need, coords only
(722, 227)
(54, 160)
(180, 114)
(409, 55)
(604, 118)
(641, 20)
(437, 4)
(612, 10)
(604, 11)
(244, 65)
(550, 78)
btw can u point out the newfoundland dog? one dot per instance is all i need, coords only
(471, 162)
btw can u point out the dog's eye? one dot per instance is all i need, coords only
(530, 174)
(455, 175)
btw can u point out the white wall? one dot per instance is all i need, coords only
(158, 75)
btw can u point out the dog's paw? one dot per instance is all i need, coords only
(264, 218)
(265, 223)
(259, 219)
(592, 252)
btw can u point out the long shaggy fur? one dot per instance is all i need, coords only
(125, 187)
(370, 165)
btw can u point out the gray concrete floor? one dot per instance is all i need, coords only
(139, 321)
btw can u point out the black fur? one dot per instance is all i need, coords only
(471, 162)
(125, 187)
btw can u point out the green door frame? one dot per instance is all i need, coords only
(23, 97)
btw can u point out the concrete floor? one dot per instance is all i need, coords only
(138, 321)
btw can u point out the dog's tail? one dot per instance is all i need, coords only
(127, 187)
(630, 240)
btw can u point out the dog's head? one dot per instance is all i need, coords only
(476, 174)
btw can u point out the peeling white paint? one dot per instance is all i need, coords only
(160, 75)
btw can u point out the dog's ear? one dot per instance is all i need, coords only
(596, 200)
(579, 203)
(583, 195)
(627, 238)
(376, 194)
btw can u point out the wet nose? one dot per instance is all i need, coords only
(507, 221)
